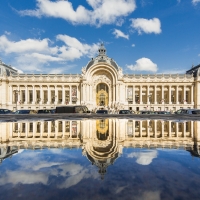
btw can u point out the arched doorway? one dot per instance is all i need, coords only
(102, 94)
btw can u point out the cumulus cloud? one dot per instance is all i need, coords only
(133, 45)
(102, 12)
(74, 49)
(35, 54)
(195, 2)
(119, 33)
(143, 158)
(143, 64)
(146, 25)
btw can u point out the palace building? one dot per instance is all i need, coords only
(101, 83)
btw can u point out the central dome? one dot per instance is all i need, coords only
(102, 57)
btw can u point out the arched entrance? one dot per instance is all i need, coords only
(102, 94)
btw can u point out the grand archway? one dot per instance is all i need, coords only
(102, 97)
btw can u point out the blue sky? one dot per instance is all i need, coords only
(60, 36)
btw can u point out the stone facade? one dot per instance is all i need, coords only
(101, 84)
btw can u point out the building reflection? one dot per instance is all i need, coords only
(102, 141)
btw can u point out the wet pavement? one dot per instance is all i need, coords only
(75, 158)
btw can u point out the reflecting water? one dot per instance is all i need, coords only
(100, 159)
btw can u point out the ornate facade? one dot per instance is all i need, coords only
(101, 84)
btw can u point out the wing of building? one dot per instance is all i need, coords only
(100, 84)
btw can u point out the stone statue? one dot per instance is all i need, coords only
(83, 70)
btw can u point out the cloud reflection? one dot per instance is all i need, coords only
(144, 158)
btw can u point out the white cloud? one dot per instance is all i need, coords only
(29, 45)
(199, 55)
(103, 11)
(133, 45)
(35, 55)
(143, 158)
(195, 2)
(74, 49)
(143, 64)
(146, 26)
(119, 33)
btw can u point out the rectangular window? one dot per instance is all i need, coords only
(30, 96)
(45, 97)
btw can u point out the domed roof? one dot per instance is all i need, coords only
(102, 57)
(7, 70)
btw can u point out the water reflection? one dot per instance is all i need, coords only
(49, 153)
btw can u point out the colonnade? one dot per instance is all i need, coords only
(158, 94)
(44, 94)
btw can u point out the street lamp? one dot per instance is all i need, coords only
(16, 97)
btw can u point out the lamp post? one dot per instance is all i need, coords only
(16, 97)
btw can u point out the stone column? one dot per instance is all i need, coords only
(184, 95)
(117, 95)
(26, 94)
(170, 94)
(49, 94)
(155, 94)
(63, 95)
(192, 93)
(133, 94)
(162, 94)
(70, 94)
(56, 95)
(148, 94)
(18, 94)
(11, 94)
(177, 101)
(34, 100)
(140, 97)
(41, 95)
(114, 90)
